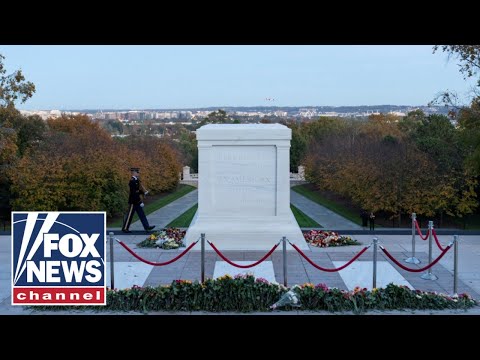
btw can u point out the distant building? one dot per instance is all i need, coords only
(55, 113)
(331, 113)
(397, 113)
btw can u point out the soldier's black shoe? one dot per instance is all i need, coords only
(150, 228)
(126, 231)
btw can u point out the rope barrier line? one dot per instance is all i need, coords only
(325, 269)
(437, 241)
(420, 231)
(157, 263)
(243, 266)
(416, 270)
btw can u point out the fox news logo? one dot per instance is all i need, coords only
(58, 258)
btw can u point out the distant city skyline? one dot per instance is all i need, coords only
(181, 77)
(239, 113)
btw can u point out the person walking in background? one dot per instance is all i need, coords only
(364, 216)
(371, 220)
(135, 202)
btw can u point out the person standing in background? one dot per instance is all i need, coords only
(371, 220)
(364, 216)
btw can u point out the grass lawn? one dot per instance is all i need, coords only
(302, 219)
(156, 203)
(329, 204)
(185, 219)
(472, 222)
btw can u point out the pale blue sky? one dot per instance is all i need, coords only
(139, 77)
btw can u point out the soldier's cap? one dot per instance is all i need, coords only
(136, 169)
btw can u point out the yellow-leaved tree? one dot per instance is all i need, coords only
(79, 166)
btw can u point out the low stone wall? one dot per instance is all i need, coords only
(190, 182)
(297, 182)
(195, 182)
(188, 178)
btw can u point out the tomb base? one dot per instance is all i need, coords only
(240, 233)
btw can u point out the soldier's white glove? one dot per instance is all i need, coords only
(142, 204)
(145, 193)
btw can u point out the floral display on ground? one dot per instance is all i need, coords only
(322, 238)
(170, 238)
(245, 293)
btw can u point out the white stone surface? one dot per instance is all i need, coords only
(360, 273)
(244, 187)
(186, 173)
(128, 274)
(242, 132)
(244, 180)
(263, 270)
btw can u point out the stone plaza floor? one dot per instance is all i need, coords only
(129, 271)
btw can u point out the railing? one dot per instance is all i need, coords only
(284, 241)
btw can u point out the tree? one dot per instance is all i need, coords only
(217, 117)
(467, 55)
(187, 146)
(469, 126)
(30, 131)
(79, 167)
(468, 117)
(13, 87)
(298, 146)
(393, 165)
(114, 126)
(410, 123)
(436, 136)
(306, 133)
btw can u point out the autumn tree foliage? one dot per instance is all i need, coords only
(158, 158)
(391, 164)
(78, 166)
(467, 115)
(13, 88)
(468, 57)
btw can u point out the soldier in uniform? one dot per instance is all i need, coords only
(135, 202)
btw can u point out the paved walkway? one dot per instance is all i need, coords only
(163, 216)
(325, 217)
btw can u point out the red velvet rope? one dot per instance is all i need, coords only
(325, 269)
(157, 263)
(436, 240)
(243, 266)
(416, 270)
(420, 231)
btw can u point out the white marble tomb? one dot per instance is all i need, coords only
(244, 187)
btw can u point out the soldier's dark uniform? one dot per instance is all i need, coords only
(134, 202)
